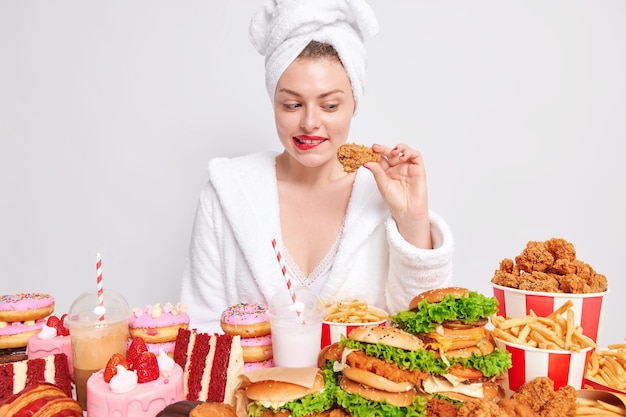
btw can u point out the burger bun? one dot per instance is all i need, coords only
(399, 399)
(281, 391)
(375, 381)
(436, 295)
(390, 336)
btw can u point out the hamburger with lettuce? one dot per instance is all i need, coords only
(378, 373)
(451, 324)
(277, 398)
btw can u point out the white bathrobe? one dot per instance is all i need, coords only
(231, 258)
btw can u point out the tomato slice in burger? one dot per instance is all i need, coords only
(465, 373)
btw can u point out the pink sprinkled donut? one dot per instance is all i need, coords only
(256, 349)
(251, 366)
(25, 306)
(246, 320)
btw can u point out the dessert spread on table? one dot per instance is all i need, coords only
(452, 352)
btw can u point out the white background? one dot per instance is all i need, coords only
(110, 111)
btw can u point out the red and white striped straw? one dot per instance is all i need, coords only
(99, 282)
(283, 269)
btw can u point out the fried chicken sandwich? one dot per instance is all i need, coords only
(378, 376)
(451, 324)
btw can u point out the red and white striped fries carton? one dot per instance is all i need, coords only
(518, 303)
(562, 366)
(331, 331)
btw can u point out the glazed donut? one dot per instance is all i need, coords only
(256, 349)
(251, 366)
(245, 320)
(158, 325)
(16, 334)
(25, 307)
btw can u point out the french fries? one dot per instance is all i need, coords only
(354, 311)
(587, 407)
(608, 366)
(552, 332)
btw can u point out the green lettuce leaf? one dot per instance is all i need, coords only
(312, 403)
(425, 318)
(361, 407)
(490, 365)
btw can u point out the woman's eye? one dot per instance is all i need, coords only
(292, 106)
(331, 106)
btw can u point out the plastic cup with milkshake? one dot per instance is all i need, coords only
(98, 324)
(296, 327)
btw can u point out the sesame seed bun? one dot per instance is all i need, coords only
(390, 336)
(280, 391)
(436, 295)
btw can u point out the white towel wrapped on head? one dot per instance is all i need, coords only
(283, 28)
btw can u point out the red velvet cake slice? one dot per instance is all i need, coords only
(212, 365)
(15, 376)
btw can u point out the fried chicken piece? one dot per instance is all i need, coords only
(574, 284)
(535, 257)
(535, 393)
(539, 281)
(507, 265)
(597, 283)
(477, 407)
(560, 249)
(515, 408)
(352, 156)
(563, 400)
(506, 279)
(563, 267)
(385, 369)
(440, 408)
(549, 266)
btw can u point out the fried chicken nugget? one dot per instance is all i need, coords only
(535, 393)
(539, 281)
(549, 266)
(515, 408)
(559, 405)
(535, 257)
(477, 407)
(560, 249)
(352, 156)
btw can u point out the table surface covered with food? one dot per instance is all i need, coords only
(528, 349)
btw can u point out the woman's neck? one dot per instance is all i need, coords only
(288, 169)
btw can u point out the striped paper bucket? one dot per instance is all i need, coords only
(518, 303)
(562, 366)
(331, 331)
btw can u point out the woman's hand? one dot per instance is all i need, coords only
(401, 179)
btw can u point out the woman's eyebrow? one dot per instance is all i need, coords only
(328, 93)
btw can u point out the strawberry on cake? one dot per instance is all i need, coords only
(54, 337)
(139, 385)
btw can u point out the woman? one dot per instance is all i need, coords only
(366, 235)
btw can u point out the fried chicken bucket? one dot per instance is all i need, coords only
(564, 367)
(544, 276)
(588, 308)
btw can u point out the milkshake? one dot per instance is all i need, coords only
(97, 333)
(296, 328)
